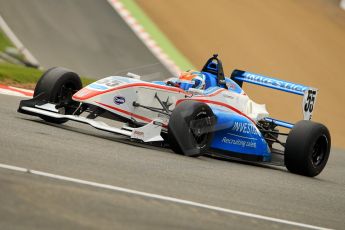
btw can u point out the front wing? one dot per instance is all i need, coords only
(148, 133)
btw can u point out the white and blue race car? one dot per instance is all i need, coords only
(219, 119)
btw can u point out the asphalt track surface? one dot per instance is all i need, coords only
(76, 150)
(87, 36)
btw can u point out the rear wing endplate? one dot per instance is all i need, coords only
(309, 94)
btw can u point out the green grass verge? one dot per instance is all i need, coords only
(18, 74)
(4, 41)
(157, 35)
(21, 76)
(24, 76)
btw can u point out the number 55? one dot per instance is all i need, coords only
(309, 103)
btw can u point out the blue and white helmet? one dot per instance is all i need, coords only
(199, 80)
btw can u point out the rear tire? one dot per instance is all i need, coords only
(307, 148)
(190, 128)
(57, 85)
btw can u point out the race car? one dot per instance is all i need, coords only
(218, 119)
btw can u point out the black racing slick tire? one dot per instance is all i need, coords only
(307, 148)
(57, 85)
(190, 128)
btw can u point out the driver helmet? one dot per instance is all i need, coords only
(196, 79)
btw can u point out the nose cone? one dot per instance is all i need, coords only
(85, 93)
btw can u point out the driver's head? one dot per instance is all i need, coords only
(196, 77)
(187, 75)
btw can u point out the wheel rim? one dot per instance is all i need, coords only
(64, 97)
(319, 151)
(199, 123)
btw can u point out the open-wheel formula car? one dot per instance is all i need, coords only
(218, 119)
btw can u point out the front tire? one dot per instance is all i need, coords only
(190, 128)
(57, 85)
(307, 148)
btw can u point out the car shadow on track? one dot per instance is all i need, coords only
(152, 146)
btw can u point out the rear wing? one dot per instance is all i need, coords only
(309, 93)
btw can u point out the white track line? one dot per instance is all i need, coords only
(159, 197)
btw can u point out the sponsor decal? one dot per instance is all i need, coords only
(242, 134)
(119, 100)
(274, 82)
(309, 100)
(245, 128)
(242, 143)
(109, 82)
(138, 134)
(97, 87)
(210, 90)
(227, 95)
(230, 85)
